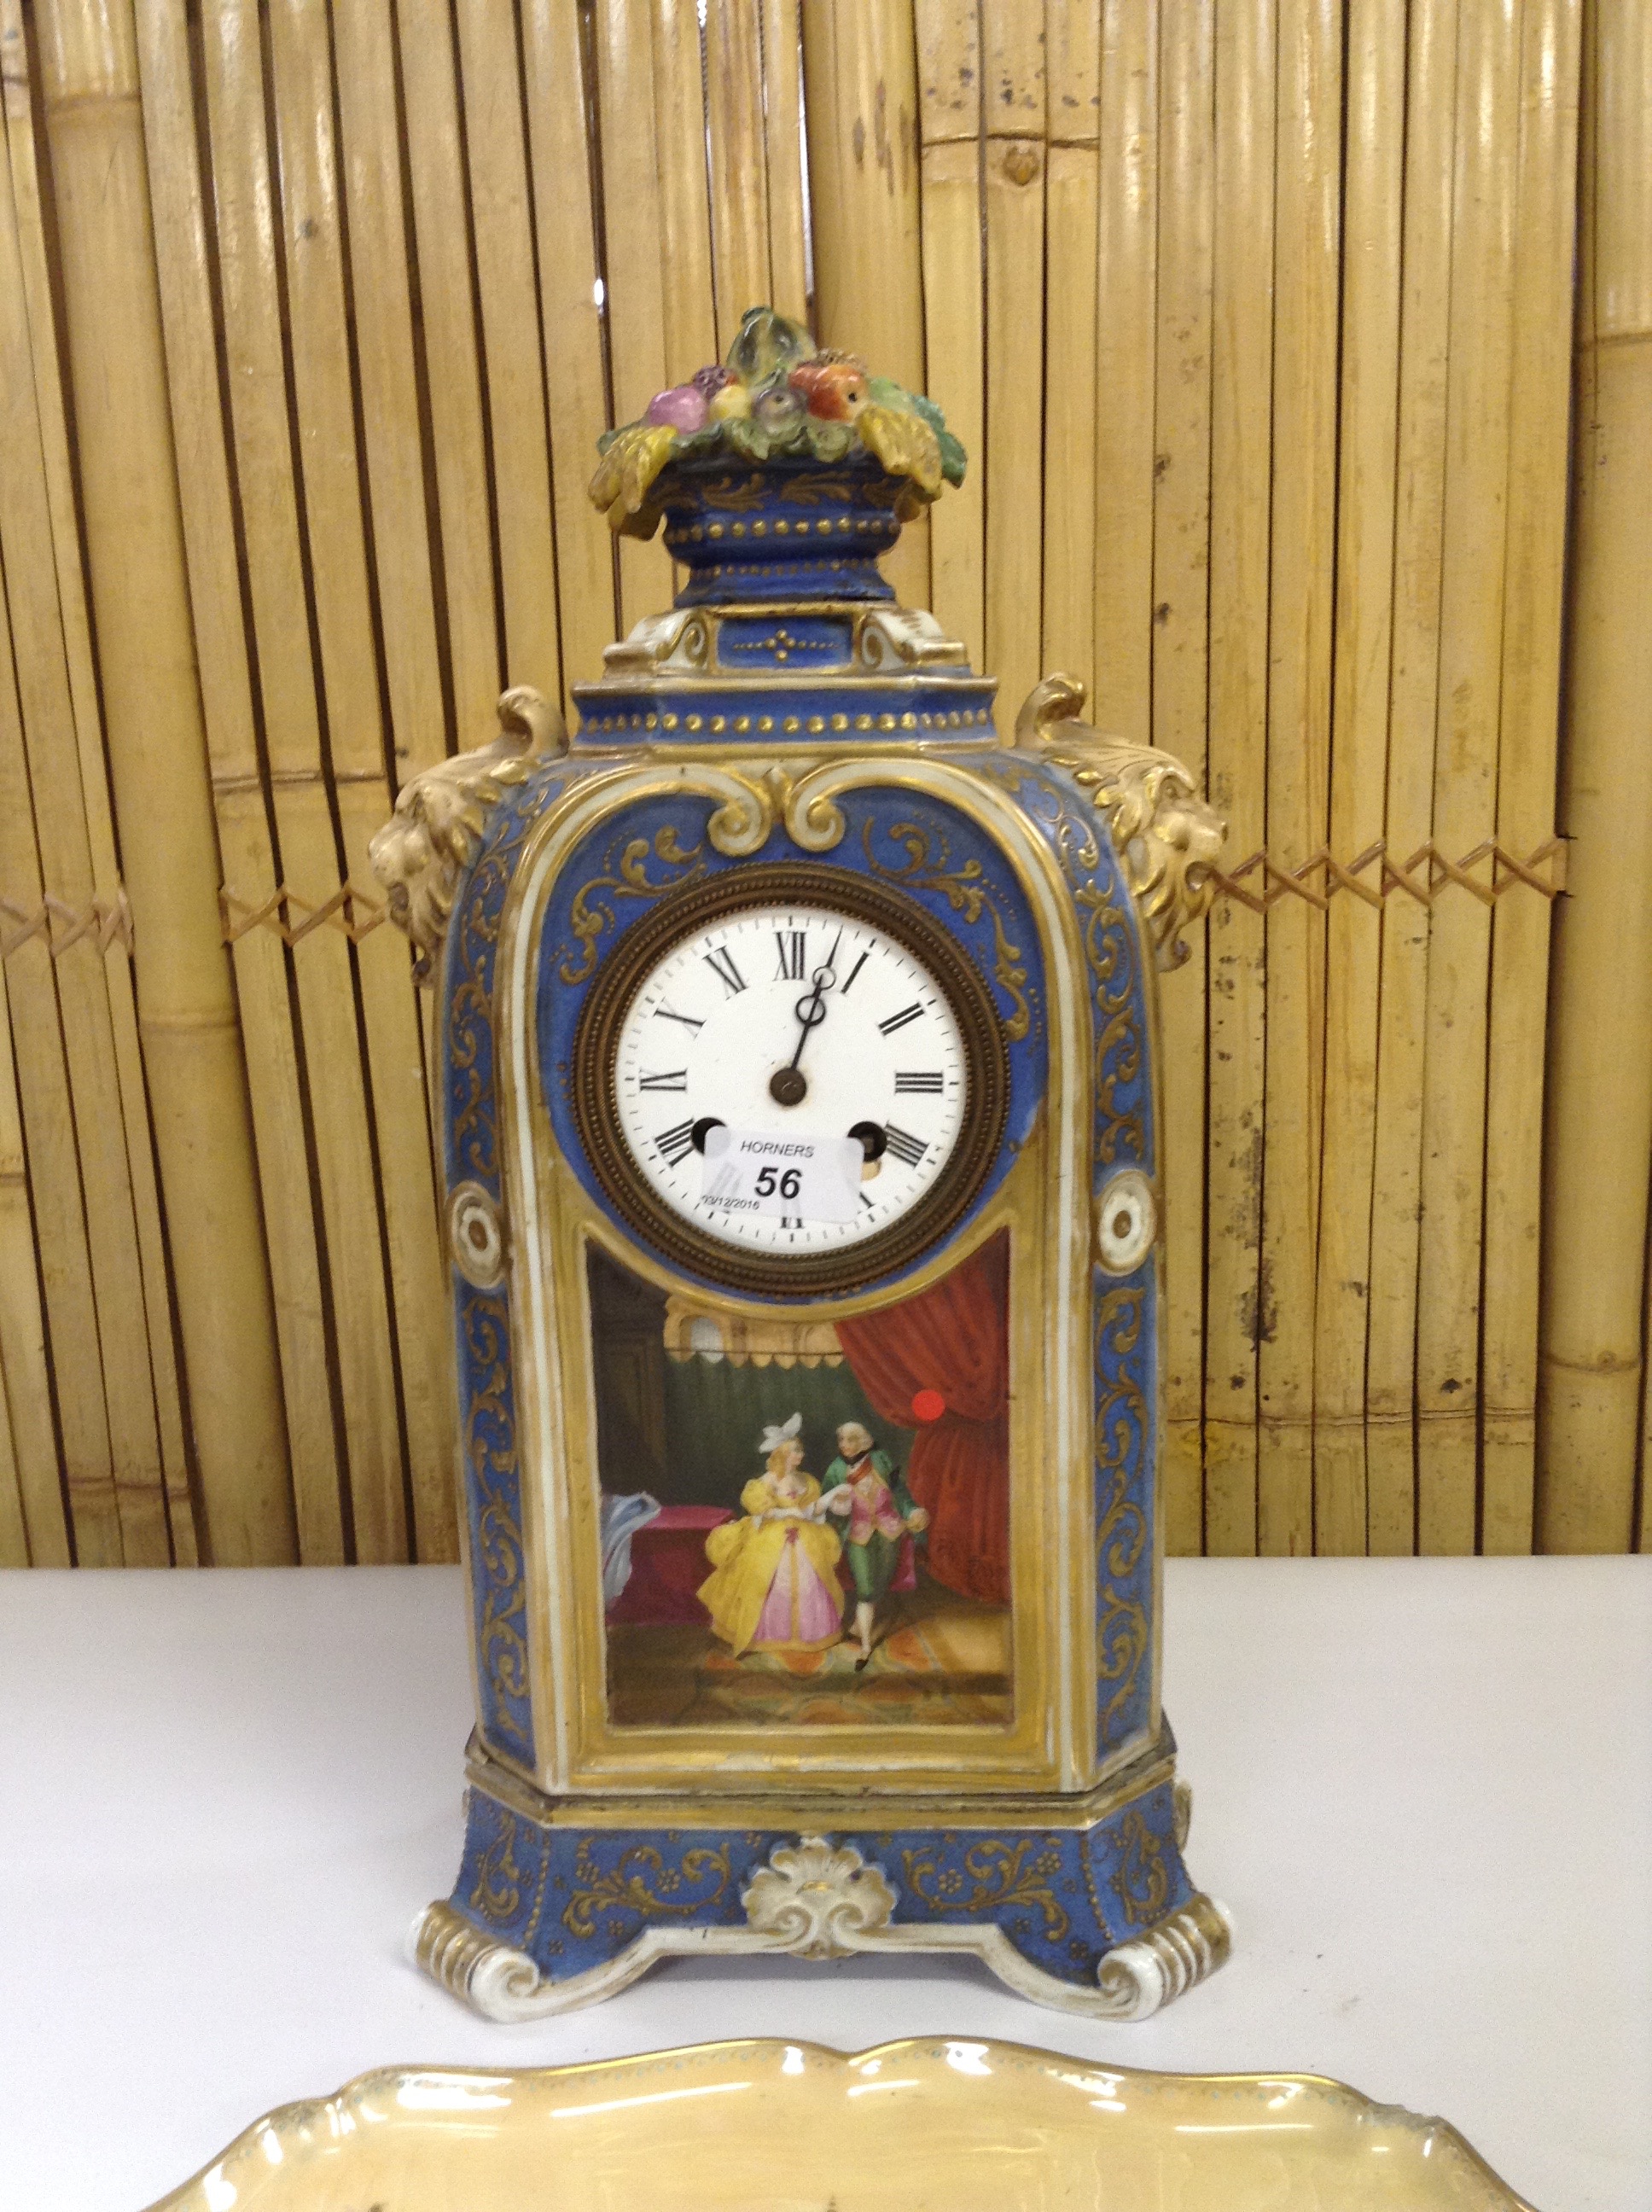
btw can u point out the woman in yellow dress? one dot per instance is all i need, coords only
(775, 1584)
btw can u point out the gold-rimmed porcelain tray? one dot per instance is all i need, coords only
(932, 2125)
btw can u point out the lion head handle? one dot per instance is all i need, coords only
(1166, 838)
(437, 831)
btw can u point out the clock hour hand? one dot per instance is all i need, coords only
(787, 1085)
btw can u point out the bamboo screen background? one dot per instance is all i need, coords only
(1259, 321)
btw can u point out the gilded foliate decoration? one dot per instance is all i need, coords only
(496, 1893)
(927, 868)
(1122, 1527)
(645, 1883)
(644, 869)
(493, 1499)
(991, 1877)
(1141, 1880)
(468, 1076)
(1123, 1129)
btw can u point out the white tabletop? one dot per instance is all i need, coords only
(1424, 1788)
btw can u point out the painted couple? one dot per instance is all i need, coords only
(774, 1585)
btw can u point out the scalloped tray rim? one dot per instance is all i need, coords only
(194, 2194)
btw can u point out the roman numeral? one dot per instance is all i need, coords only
(904, 1147)
(864, 1198)
(855, 970)
(790, 942)
(665, 1014)
(722, 961)
(905, 1081)
(788, 1222)
(674, 1145)
(911, 1013)
(676, 1079)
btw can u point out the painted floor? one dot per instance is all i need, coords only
(938, 1660)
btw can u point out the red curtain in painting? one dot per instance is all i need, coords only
(950, 1343)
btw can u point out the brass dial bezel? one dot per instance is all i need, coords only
(794, 1275)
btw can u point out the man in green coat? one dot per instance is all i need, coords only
(862, 1489)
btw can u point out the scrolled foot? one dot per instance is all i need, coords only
(1188, 1946)
(492, 1979)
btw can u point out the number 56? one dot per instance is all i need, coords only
(787, 1185)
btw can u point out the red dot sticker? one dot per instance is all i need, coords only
(927, 1405)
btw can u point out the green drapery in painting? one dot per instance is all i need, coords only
(715, 1412)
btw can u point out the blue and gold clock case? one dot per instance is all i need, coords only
(813, 1563)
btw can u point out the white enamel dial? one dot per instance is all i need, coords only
(791, 1020)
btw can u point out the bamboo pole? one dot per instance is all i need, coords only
(32, 1441)
(507, 290)
(292, 1220)
(1072, 214)
(51, 775)
(1127, 260)
(623, 34)
(783, 155)
(950, 168)
(735, 156)
(1465, 788)
(1373, 188)
(43, 1083)
(1544, 228)
(384, 344)
(684, 240)
(570, 330)
(1012, 62)
(356, 760)
(861, 78)
(444, 301)
(1306, 272)
(1425, 289)
(1598, 1134)
(158, 756)
(94, 803)
(1181, 680)
(1237, 1308)
(14, 1532)
(250, 225)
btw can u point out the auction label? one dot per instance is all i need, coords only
(798, 1178)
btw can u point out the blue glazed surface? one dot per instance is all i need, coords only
(934, 855)
(798, 530)
(491, 1466)
(573, 1899)
(1125, 1311)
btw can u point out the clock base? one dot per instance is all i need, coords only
(1099, 1918)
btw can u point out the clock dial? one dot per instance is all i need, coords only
(799, 1008)
(794, 1022)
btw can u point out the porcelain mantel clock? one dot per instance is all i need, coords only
(799, 1114)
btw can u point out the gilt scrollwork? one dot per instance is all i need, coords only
(991, 1877)
(1141, 1880)
(628, 877)
(643, 1881)
(966, 890)
(1167, 837)
(1121, 1532)
(437, 828)
(495, 1526)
